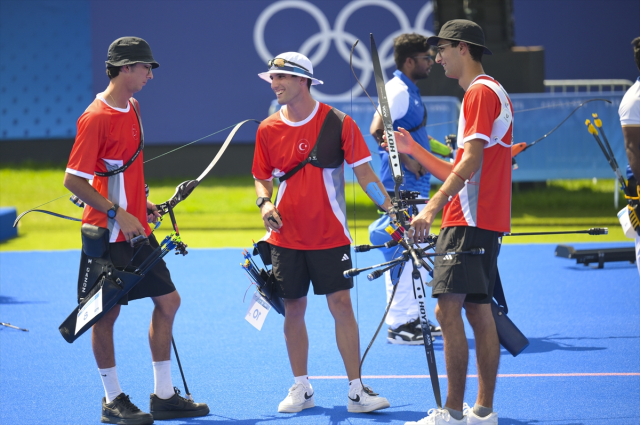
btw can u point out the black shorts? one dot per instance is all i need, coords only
(473, 275)
(294, 268)
(155, 283)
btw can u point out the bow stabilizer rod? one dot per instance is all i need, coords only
(593, 231)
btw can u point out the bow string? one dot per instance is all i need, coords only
(182, 191)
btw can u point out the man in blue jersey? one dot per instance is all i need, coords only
(414, 62)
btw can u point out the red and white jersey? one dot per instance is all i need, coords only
(311, 202)
(107, 138)
(485, 201)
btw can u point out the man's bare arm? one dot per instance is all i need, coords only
(79, 186)
(270, 215)
(631, 136)
(436, 166)
(453, 183)
(377, 128)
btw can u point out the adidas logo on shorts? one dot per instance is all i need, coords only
(345, 257)
(448, 257)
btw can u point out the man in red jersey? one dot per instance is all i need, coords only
(476, 197)
(307, 223)
(108, 141)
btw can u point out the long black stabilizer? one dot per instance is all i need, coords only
(420, 296)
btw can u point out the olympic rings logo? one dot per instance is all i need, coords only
(343, 39)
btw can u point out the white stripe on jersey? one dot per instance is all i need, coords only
(332, 192)
(117, 194)
(79, 173)
(469, 195)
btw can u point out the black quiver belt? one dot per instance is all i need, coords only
(98, 279)
(327, 151)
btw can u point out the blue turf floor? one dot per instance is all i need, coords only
(583, 324)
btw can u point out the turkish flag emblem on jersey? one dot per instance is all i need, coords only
(302, 147)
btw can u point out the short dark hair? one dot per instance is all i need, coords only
(408, 45)
(636, 50)
(309, 83)
(113, 71)
(476, 52)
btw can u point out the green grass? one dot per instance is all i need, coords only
(221, 212)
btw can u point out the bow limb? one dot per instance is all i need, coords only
(356, 76)
(224, 147)
(184, 189)
(66, 217)
(563, 121)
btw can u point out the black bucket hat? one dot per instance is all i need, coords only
(130, 50)
(461, 30)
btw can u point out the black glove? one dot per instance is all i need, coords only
(633, 198)
(631, 192)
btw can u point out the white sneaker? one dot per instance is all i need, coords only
(300, 397)
(439, 417)
(472, 418)
(363, 400)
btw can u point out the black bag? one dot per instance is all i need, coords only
(509, 335)
(97, 274)
(267, 287)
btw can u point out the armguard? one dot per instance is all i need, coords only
(439, 148)
(374, 192)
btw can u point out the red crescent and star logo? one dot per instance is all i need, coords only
(302, 146)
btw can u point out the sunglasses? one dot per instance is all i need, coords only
(281, 63)
(440, 48)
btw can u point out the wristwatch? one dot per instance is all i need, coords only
(260, 201)
(111, 212)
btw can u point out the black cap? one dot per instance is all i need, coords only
(130, 50)
(461, 30)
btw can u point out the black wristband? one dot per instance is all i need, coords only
(111, 212)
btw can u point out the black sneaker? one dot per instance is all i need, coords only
(122, 411)
(176, 407)
(407, 334)
(435, 330)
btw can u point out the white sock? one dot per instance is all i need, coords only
(355, 385)
(303, 379)
(162, 378)
(110, 382)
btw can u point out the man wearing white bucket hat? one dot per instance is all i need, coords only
(307, 223)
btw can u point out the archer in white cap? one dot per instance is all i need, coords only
(305, 145)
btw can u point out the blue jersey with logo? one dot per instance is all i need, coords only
(407, 111)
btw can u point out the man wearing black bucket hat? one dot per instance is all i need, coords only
(476, 202)
(107, 151)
